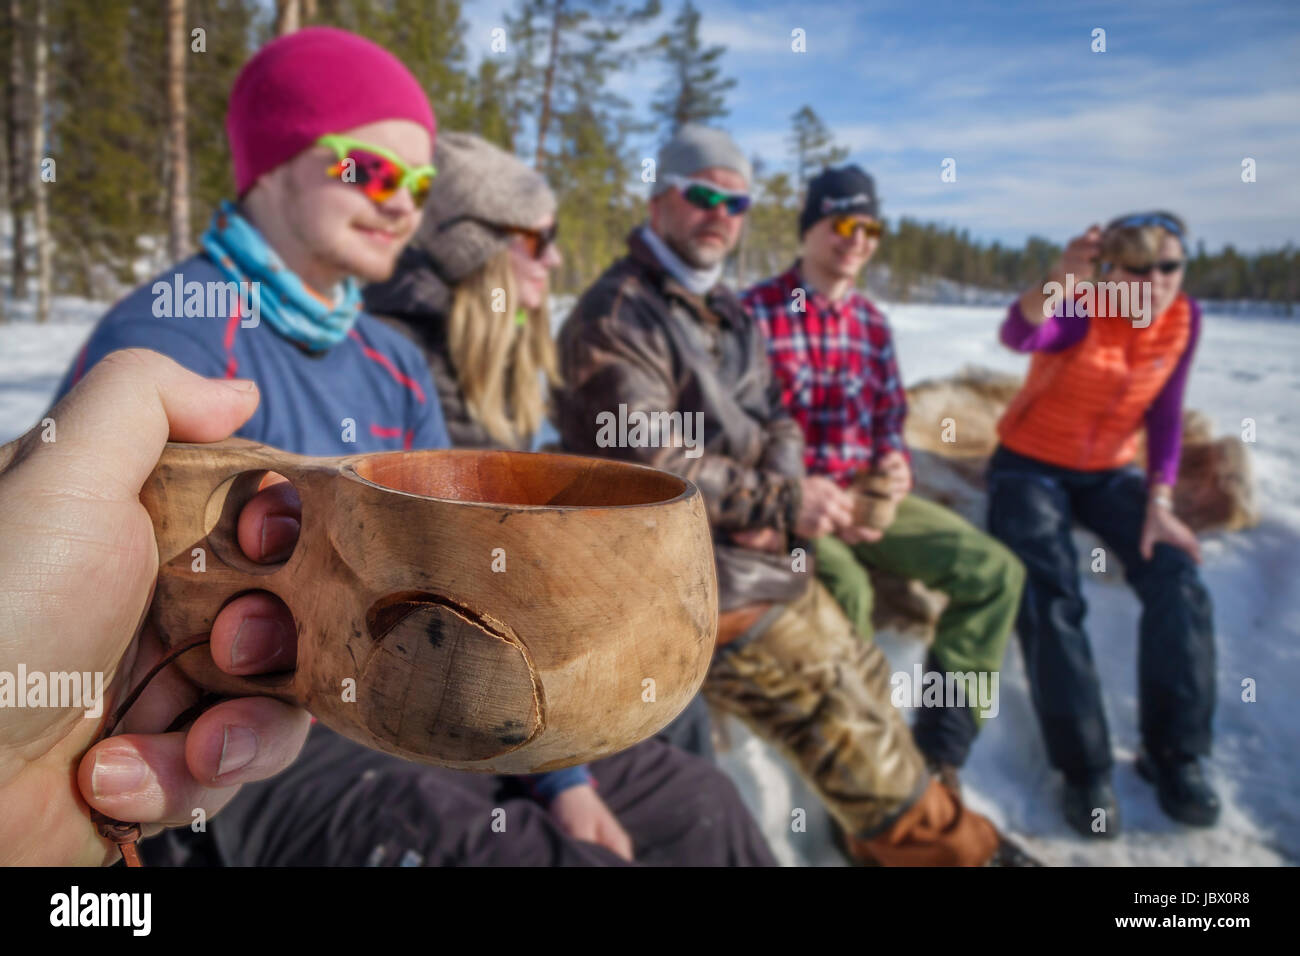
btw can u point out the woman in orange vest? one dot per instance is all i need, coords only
(1107, 362)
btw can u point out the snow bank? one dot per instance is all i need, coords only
(1245, 368)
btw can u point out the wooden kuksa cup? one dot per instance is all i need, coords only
(594, 630)
(873, 505)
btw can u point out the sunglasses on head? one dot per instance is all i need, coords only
(704, 195)
(378, 172)
(846, 227)
(1165, 266)
(1150, 219)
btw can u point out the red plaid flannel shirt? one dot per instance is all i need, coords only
(839, 379)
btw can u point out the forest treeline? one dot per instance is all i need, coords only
(113, 150)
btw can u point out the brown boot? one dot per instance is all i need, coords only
(937, 830)
(948, 775)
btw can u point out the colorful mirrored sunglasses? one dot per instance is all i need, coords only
(847, 226)
(377, 171)
(705, 195)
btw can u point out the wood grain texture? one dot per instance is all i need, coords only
(605, 580)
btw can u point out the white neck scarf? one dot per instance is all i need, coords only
(699, 281)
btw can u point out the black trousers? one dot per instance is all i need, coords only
(1032, 506)
(341, 804)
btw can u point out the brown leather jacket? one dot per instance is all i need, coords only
(639, 339)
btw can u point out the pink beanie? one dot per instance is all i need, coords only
(308, 83)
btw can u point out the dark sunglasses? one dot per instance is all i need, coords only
(535, 243)
(1165, 266)
(706, 196)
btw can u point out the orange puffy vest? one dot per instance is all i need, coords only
(1082, 407)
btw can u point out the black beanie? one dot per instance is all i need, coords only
(836, 192)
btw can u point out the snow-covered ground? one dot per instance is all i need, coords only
(1245, 368)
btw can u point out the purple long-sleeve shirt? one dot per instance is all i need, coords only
(1164, 417)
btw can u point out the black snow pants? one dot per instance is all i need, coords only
(1032, 506)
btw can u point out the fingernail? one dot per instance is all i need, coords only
(242, 385)
(117, 774)
(259, 640)
(279, 528)
(238, 749)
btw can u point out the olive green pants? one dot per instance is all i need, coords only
(982, 580)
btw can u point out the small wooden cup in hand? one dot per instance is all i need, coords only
(873, 504)
(481, 610)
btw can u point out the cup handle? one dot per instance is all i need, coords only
(194, 497)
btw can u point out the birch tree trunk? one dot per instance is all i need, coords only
(178, 160)
(18, 155)
(288, 16)
(40, 194)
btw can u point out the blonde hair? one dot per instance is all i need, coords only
(498, 362)
(1136, 244)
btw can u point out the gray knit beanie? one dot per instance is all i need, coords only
(477, 179)
(697, 147)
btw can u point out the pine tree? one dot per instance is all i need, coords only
(491, 105)
(695, 91)
(772, 236)
(566, 50)
(812, 146)
(214, 59)
(109, 81)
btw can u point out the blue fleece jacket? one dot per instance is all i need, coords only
(373, 392)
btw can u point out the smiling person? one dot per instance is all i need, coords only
(833, 355)
(332, 139)
(660, 334)
(1066, 442)
(472, 291)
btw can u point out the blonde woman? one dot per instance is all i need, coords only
(1099, 377)
(472, 291)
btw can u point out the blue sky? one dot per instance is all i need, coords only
(1047, 135)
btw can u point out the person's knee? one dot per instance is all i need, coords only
(986, 573)
(1172, 573)
(846, 578)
